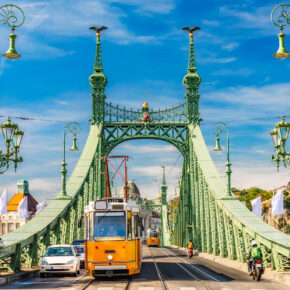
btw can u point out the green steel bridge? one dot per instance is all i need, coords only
(218, 224)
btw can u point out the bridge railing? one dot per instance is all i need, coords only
(220, 225)
(57, 223)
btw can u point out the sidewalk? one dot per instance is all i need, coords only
(24, 274)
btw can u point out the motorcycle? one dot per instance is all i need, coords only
(257, 269)
(189, 253)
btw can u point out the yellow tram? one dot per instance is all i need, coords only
(112, 233)
(153, 238)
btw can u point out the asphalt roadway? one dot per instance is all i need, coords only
(162, 268)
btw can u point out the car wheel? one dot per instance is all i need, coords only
(75, 274)
(42, 275)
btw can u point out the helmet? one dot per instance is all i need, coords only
(254, 243)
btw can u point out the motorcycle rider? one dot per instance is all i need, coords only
(254, 253)
(190, 245)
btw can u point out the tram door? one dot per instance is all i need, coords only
(136, 232)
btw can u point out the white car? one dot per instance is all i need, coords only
(60, 259)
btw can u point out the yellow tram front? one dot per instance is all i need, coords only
(112, 233)
(153, 238)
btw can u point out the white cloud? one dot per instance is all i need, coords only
(244, 72)
(211, 22)
(230, 46)
(217, 60)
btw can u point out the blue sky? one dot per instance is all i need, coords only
(145, 57)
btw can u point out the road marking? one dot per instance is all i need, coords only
(208, 275)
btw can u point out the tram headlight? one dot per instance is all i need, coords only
(110, 257)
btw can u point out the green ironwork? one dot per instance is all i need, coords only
(73, 128)
(12, 16)
(217, 129)
(218, 225)
(280, 17)
(12, 137)
(279, 136)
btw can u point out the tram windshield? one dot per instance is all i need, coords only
(153, 235)
(110, 224)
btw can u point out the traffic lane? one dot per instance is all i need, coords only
(229, 278)
(56, 281)
(148, 278)
(175, 273)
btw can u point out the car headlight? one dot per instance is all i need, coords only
(70, 262)
(44, 263)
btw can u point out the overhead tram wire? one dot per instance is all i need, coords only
(202, 123)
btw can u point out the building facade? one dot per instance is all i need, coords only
(10, 221)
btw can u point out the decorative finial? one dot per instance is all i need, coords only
(98, 62)
(145, 105)
(191, 61)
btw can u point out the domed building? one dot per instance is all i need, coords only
(133, 192)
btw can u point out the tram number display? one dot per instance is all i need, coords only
(101, 204)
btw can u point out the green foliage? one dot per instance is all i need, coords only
(251, 193)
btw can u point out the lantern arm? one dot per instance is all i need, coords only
(280, 15)
(11, 15)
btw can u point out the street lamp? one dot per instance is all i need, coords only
(74, 128)
(12, 136)
(217, 129)
(12, 16)
(279, 136)
(280, 17)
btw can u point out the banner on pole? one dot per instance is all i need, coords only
(257, 206)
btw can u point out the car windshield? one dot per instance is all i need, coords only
(78, 242)
(153, 235)
(80, 250)
(59, 251)
(109, 224)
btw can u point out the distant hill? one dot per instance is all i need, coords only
(276, 221)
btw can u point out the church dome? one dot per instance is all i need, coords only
(133, 192)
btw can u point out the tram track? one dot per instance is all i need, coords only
(159, 273)
(203, 283)
(106, 283)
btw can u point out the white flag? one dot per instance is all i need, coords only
(3, 202)
(257, 206)
(40, 207)
(23, 209)
(277, 203)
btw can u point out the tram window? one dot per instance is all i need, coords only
(153, 235)
(109, 224)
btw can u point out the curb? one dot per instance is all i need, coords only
(273, 276)
(19, 276)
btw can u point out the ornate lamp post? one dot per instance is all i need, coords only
(12, 16)
(217, 129)
(279, 136)
(12, 136)
(280, 17)
(74, 128)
